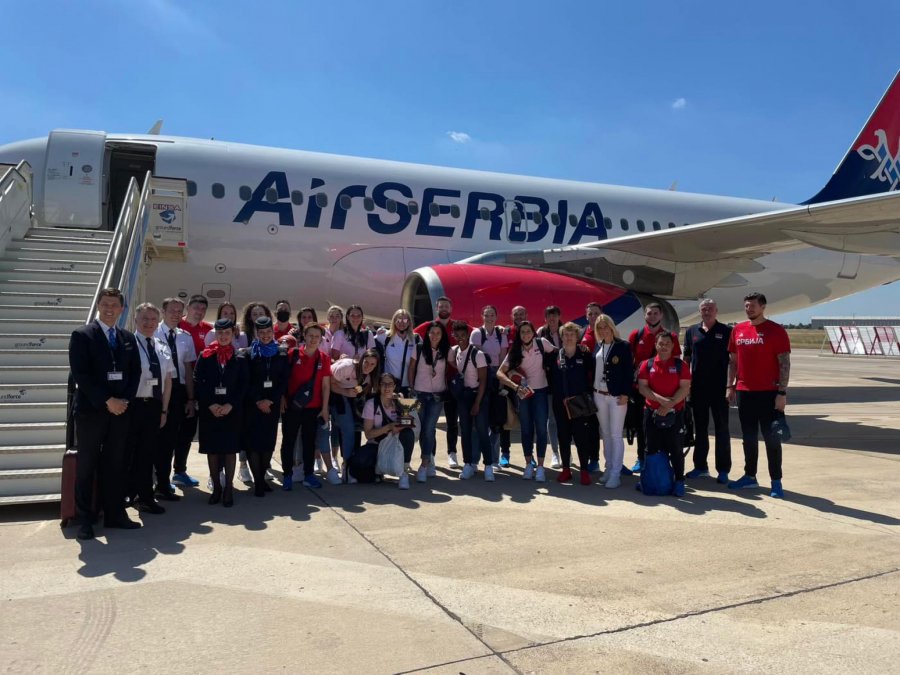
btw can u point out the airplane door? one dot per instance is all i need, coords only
(73, 179)
(515, 221)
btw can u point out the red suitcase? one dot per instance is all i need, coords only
(67, 510)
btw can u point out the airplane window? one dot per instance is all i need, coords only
(192, 188)
(321, 200)
(554, 218)
(656, 225)
(297, 198)
(368, 204)
(515, 216)
(624, 224)
(640, 225)
(413, 208)
(434, 210)
(672, 225)
(485, 213)
(573, 221)
(245, 192)
(591, 223)
(272, 195)
(454, 211)
(607, 223)
(538, 218)
(391, 206)
(346, 202)
(218, 190)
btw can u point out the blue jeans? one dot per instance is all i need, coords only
(533, 413)
(323, 439)
(474, 430)
(347, 426)
(428, 416)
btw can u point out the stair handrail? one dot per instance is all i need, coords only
(26, 175)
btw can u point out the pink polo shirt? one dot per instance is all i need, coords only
(533, 365)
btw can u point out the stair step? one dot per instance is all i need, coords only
(32, 412)
(38, 357)
(46, 299)
(71, 242)
(20, 482)
(46, 312)
(32, 433)
(49, 456)
(69, 232)
(88, 246)
(47, 327)
(35, 341)
(58, 277)
(30, 499)
(51, 288)
(34, 393)
(51, 264)
(31, 374)
(57, 254)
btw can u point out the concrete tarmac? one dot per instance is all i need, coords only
(512, 577)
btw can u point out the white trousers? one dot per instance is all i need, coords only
(612, 422)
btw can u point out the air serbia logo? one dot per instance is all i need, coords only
(888, 170)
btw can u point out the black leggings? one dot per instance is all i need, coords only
(577, 430)
(305, 422)
(670, 441)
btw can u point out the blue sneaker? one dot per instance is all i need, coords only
(722, 478)
(638, 466)
(311, 481)
(697, 473)
(504, 459)
(183, 479)
(287, 481)
(679, 488)
(593, 466)
(743, 482)
(777, 491)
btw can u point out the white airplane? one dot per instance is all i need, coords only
(324, 229)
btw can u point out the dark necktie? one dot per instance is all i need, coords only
(155, 369)
(111, 333)
(171, 340)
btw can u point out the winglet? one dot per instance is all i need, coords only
(156, 128)
(872, 164)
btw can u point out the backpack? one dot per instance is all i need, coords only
(657, 477)
(361, 464)
(484, 339)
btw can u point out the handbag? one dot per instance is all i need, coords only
(457, 383)
(580, 405)
(666, 421)
(304, 393)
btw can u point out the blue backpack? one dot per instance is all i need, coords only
(657, 477)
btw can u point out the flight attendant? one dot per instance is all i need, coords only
(352, 382)
(428, 369)
(525, 362)
(268, 369)
(613, 381)
(220, 382)
(353, 339)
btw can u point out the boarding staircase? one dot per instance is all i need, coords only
(49, 278)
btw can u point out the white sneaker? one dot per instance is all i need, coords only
(613, 482)
(451, 461)
(554, 461)
(336, 462)
(222, 477)
(244, 473)
(421, 474)
(529, 472)
(297, 473)
(495, 467)
(320, 466)
(403, 483)
(488, 474)
(604, 477)
(209, 484)
(332, 477)
(467, 472)
(270, 475)
(431, 470)
(540, 477)
(346, 477)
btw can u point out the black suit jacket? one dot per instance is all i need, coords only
(91, 359)
(618, 368)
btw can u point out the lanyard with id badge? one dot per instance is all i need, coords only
(221, 390)
(267, 383)
(153, 380)
(114, 375)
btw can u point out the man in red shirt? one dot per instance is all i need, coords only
(591, 312)
(283, 324)
(759, 371)
(442, 309)
(193, 324)
(664, 381)
(643, 347)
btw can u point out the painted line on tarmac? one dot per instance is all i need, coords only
(703, 612)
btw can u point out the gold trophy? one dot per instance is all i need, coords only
(405, 406)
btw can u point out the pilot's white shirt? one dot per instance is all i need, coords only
(166, 365)
(184, 345)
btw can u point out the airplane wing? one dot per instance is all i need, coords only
(686, 262)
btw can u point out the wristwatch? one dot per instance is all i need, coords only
(782, 393)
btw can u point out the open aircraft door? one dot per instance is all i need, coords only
(73, 179)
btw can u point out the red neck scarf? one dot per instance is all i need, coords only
(223, 353)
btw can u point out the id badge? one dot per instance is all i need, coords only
(114, 376)
(267, 384)
(221, 391)
(153, 382)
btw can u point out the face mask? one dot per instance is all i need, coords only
(282, 315)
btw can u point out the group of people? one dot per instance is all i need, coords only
(336, 390)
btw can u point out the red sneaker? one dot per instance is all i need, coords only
(585, 477)
(564, 475)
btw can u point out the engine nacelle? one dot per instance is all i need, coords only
(472, 286)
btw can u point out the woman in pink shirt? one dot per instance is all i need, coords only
(353, 339)
(523, 371)
(428, 378)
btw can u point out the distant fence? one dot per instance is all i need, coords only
(862, 340)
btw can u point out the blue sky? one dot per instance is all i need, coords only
(747, 99)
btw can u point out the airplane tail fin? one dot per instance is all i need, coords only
(872, 164)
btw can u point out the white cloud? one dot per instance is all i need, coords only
(679, 103)
(459, 136)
